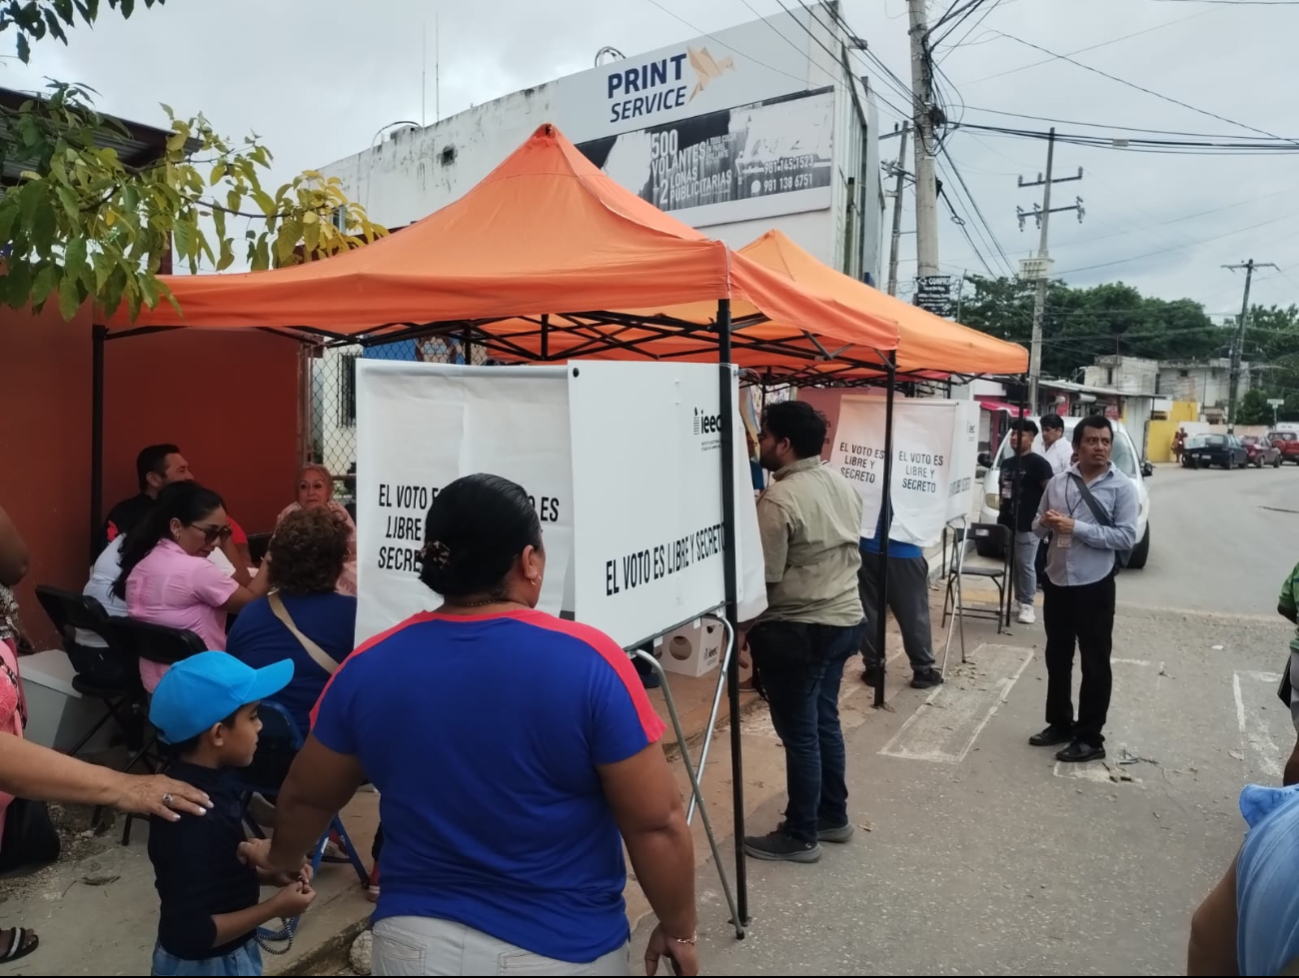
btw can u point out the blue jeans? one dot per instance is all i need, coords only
(800, 668)
(247, 960)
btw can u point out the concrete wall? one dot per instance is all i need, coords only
(1208, 383)
(1131, 375)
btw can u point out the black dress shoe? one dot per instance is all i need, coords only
(1080, 752)
(1052, 736)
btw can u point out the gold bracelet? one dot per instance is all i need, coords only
(692, 941)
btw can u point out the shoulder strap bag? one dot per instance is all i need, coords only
(318, 655)
(1121, 557)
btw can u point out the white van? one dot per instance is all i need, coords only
(1125, 458)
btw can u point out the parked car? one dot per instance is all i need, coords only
(1206, 451)
(1288, 443)
(1125, 458)
(1262, 452)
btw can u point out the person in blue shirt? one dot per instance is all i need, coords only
(1249, 922)
(303, 620)
(514, 753)
(908, 598)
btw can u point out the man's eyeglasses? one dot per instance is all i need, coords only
(211, 534)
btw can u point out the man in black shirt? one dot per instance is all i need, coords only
(156, 466)
(205, 708)
(1024, 476)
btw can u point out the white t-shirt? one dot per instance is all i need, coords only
(100, 586)
(1059, 454)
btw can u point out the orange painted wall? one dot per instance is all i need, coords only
(45, 448)
(229, 399)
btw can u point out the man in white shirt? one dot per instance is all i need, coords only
(1055, 447)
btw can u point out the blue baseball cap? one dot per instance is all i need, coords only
(199, 692)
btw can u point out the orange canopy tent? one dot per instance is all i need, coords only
(545, 234)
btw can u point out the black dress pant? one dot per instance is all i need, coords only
(1081, 615)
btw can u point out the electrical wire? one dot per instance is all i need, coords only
(1142, 88)
(978, 210)
(1138, 145)
(1111, 125)
(950, 51)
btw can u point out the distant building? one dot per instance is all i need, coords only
(1206, 382)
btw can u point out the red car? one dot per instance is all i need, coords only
(1262, 451)
(1288, 443)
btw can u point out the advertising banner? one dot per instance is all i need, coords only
(965, 459)
(647, 491)
(741, 65)
(930, 439)
(758, 160)
(422, 425)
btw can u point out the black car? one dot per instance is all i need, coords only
(1206, 451)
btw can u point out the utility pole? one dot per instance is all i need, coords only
(1238, 344)
(900, 179)
(1039, 269)
(922, 99)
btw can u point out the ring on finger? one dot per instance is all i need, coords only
(167, 800)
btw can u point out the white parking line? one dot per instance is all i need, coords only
(1261, 750)
(946, 727)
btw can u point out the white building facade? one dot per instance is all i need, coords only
(751, 128)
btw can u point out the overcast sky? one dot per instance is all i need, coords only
(316, 78)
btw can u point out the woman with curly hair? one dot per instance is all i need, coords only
(304, 618)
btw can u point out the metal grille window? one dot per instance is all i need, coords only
(347, 391)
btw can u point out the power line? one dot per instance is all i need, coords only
(991, 7)
(977, 210)
(1091, 47)
(1240, 3)
(1114, 125)
(1137, 145)
(1142, 88)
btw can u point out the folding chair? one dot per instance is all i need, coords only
(278, 724)
(954, 606)
(102, 674)
(157, 643)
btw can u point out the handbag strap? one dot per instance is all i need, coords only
(318, 655)
(1092, 502)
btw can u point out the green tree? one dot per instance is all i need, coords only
(1253, 408)
(81, 225)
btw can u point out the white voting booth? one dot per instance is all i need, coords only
(623, 464)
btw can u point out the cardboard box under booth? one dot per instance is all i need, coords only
(57, 715)
(694, 650)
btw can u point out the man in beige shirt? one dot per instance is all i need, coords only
(810, 522)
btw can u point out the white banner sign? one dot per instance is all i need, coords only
(932, 481)
(422, 425)
(647, 490)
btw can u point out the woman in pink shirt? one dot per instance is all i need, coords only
(167, 578)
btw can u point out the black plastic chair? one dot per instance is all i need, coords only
(103, 674)
(156, 643)
(1002, 540)
(258, 544)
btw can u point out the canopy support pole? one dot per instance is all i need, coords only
(545, 337)
(99, 336)
(725, 375)
(885, 524)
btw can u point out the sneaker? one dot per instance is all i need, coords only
(838, 834)
(1027, 616)
(779, 847)
(927, 679)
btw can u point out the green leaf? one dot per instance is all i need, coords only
(264, 201)
(18, 283)
(218, 174)
(311, 237)
(149, 287)
(9, 211)
(74, 258)
(55, 28)
(128, 8)
(30, 196)
(227, 257)
(46, 279)
(64, 8)
(184, 237)
(162, 286)
(24, 55)
(71, 206)
(70, 297)
(43, 226)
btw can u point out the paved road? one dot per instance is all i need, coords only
(1220, 541)
(985, 857)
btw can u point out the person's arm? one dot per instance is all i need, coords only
(287, 903)
(214, 588)
(31, 771)
(773, 530)
(1040, 528)
(1287, 606)
(647, 807)
(1123, 534)
(15, 559)
(320, 784)
(238, 561)
(1212, 947)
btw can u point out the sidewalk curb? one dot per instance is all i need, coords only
(335, 950)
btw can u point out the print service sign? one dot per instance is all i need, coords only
(422, 425)
(933, 468)
(647, 486)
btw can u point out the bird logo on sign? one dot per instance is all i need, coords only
(707, 69)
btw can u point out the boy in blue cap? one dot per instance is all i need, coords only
(205, 709)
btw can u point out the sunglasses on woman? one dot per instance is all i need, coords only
(211, 534)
